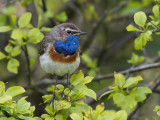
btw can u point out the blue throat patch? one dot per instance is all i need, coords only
(69, 47)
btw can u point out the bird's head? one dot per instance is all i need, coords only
(65, 30)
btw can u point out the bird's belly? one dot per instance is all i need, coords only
(58, 68)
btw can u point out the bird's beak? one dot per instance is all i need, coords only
(82, 33)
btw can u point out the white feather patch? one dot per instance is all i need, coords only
(58, 68)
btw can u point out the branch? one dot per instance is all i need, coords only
(131, 70)
(44, 6)
(28, 65)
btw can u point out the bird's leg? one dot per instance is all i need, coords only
(54, 96)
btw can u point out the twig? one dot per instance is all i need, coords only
(157, 83)
(135, 69)
(44, 6)
(130, 70)
(28, 65)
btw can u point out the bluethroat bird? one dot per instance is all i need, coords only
(59, 50)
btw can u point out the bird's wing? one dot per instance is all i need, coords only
(43, 45)
(47, 40)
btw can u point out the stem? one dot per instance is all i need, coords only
(28, 65)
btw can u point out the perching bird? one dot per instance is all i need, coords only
(59, 50)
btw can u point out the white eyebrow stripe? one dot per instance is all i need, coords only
(70, 29)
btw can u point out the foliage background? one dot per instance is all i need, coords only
(105, 49)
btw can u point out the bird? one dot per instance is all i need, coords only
(60, 50)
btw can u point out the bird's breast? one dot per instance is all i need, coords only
(57, 57)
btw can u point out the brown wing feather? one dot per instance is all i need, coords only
(44, 44)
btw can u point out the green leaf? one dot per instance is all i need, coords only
(119, 80)
(51, 88)
(2, 88)
(108, 92)
(49, 109)
(59, 117)
(62, 17)
(77, 110)
(136, 59)
(92, 9)
(23, 106)
(140, 92)
(5, 98)
(40, 23)
(45, 29)
(132, 28)
(12, 65)
(90, 93)
(47, 117)
(92, 72)
(16, 51)
(24, 20)
(14, 91)
(32, 62)
(86, 58)
(75, 116)
(49, 14)
(3, 20)
(126, 102)
(35, 36)
(22, 117)
(119, 98)
(13, 20)
(141, 41)
(47, 98)
(5, 28)
(10, 9)
(8, 48)
(155, 10)
(87, 80)
(99, 109)
(16, 34)
(77, 78)
(140, 18)
(132, 81)
(24, 3)
(78, 92)
(2, 55)
(61, 104)
(157, 109)
(60, 87)
(121, 115)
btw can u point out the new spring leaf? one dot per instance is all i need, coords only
(140, 18)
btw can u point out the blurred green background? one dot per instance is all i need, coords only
(105, 49)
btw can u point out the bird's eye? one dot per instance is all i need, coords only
(68, 31)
